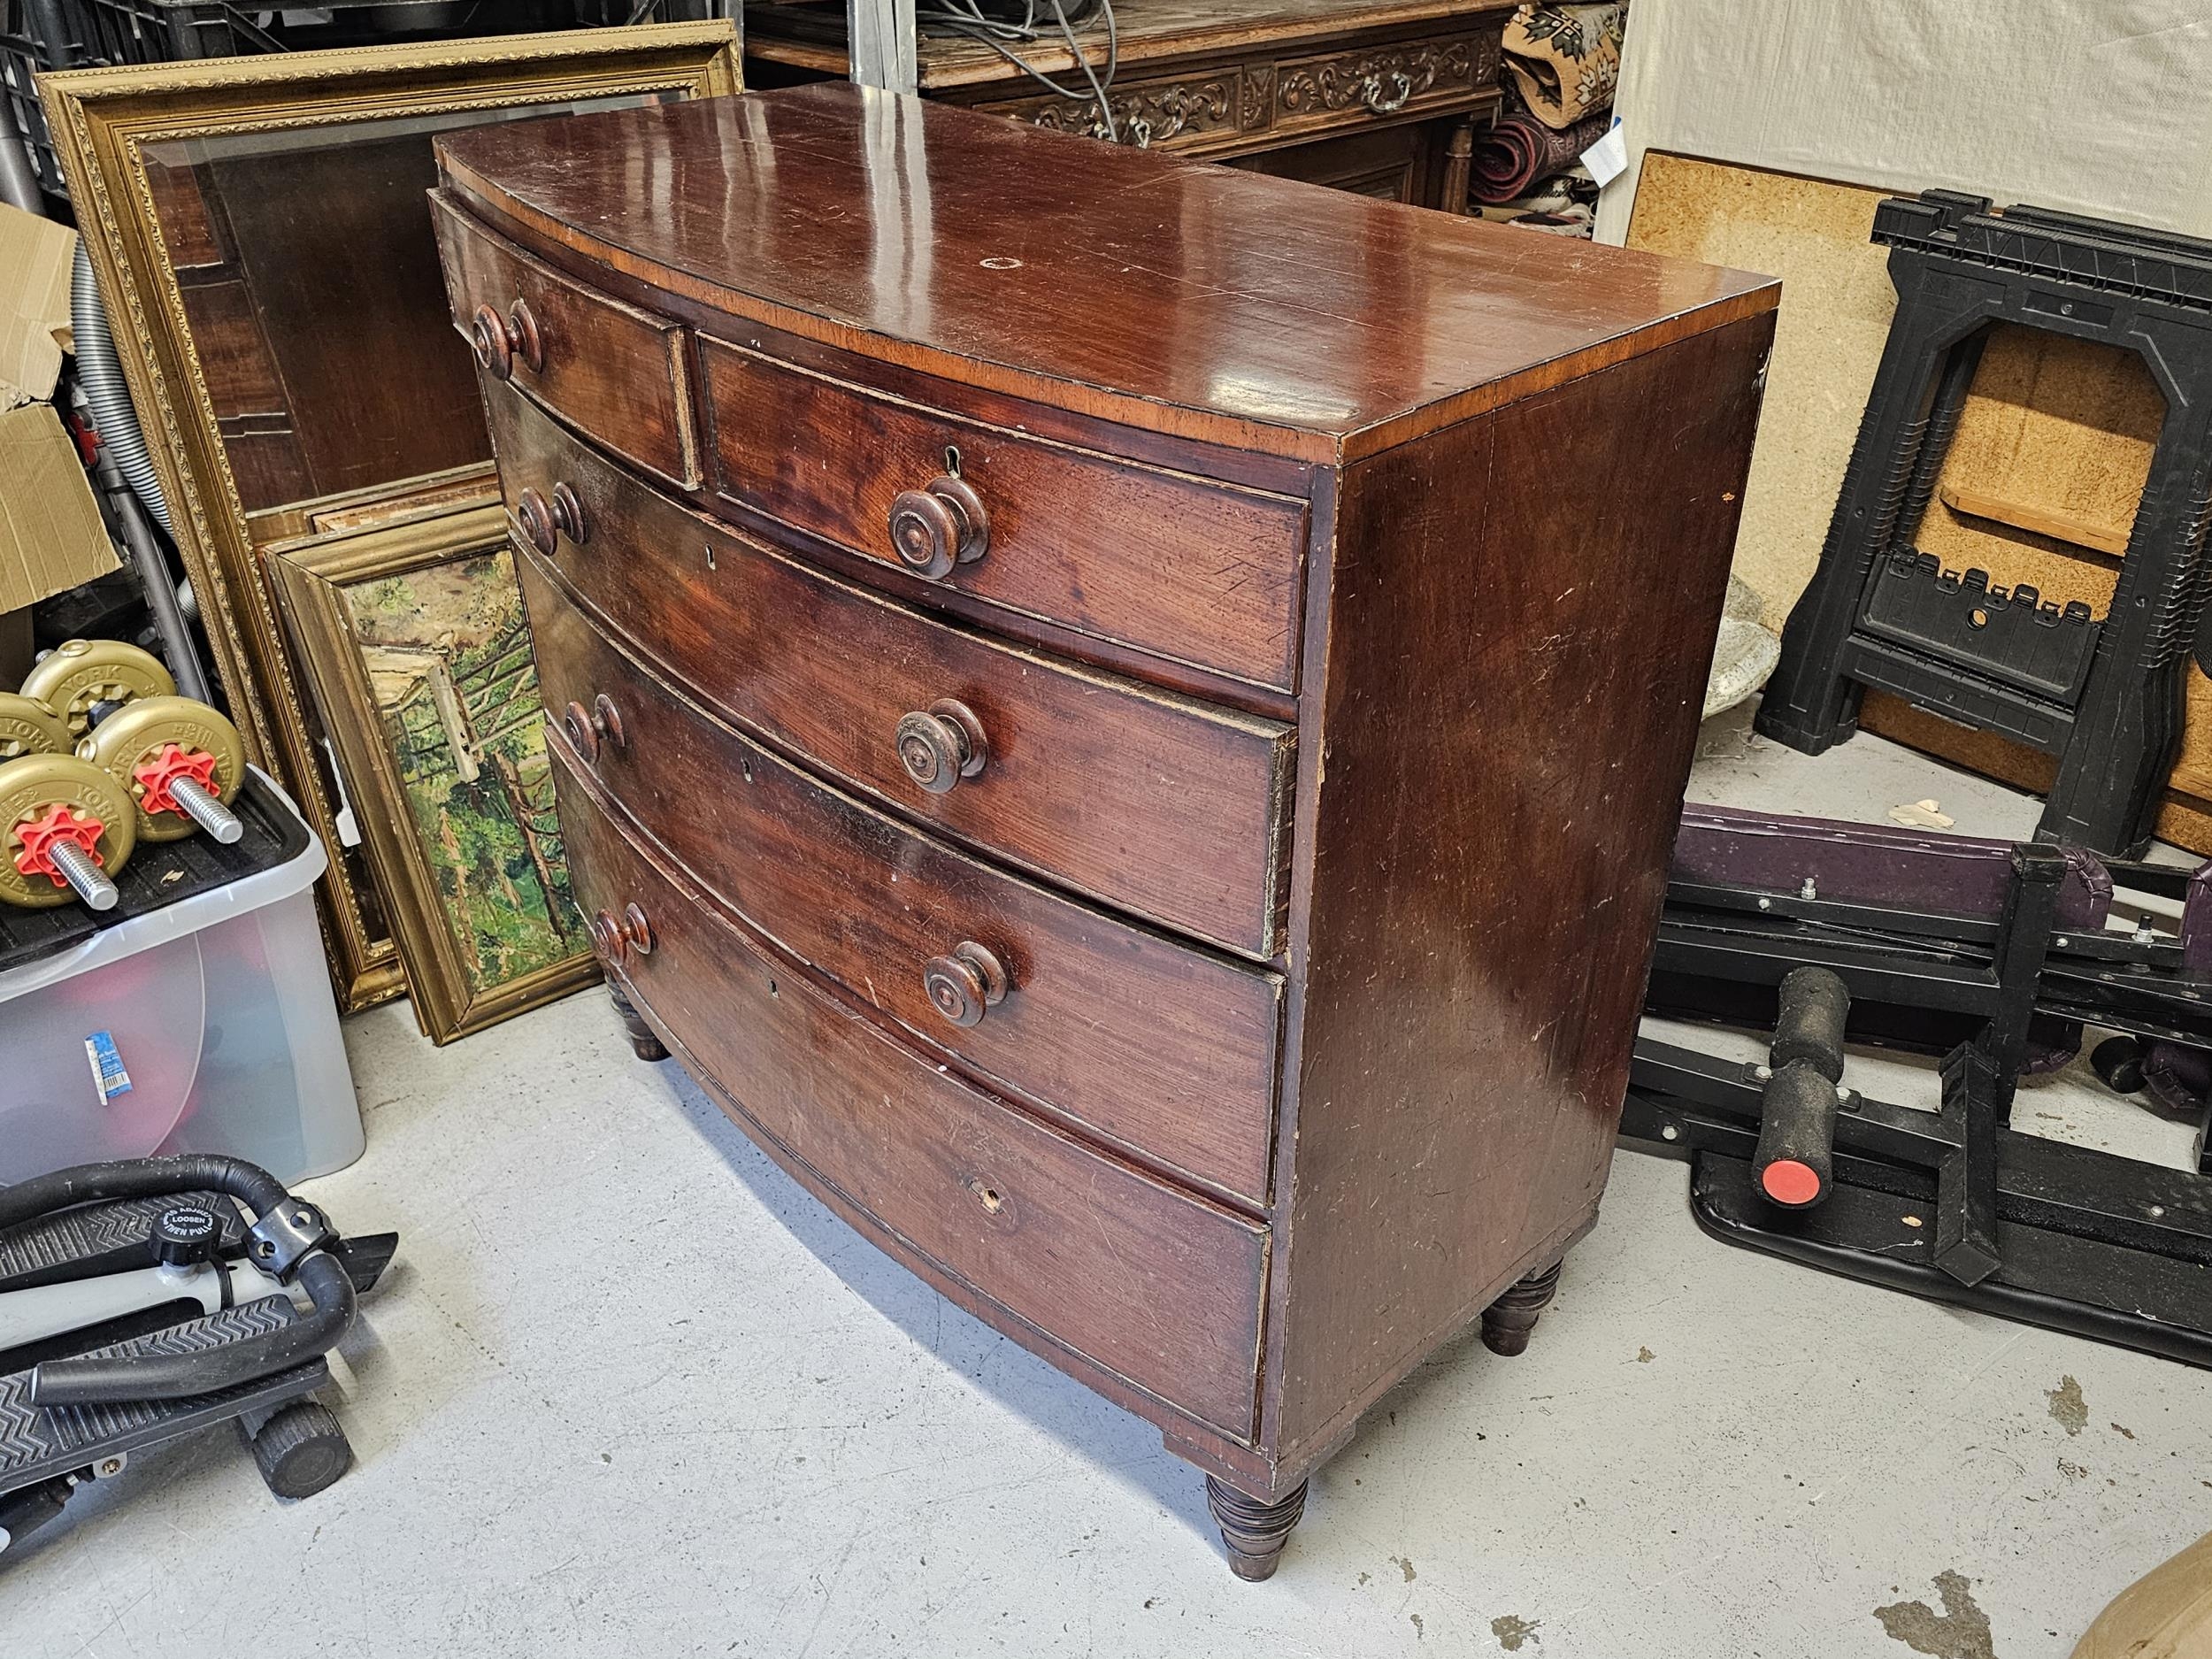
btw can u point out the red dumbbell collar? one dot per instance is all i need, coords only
(158, 771)
(58, 823)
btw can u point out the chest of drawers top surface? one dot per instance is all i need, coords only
(1166, 293)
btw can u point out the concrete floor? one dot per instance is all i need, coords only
(632, 1393)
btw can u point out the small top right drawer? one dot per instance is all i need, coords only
(1192, 569)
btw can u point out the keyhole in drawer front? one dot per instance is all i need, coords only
(988, 1196)
(952, 459)
(708, 548)
(746, 766)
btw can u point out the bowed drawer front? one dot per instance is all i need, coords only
(1166, 807)
(1022, 1215)
(1184, 567)
(612, 370)
(1164, 1049)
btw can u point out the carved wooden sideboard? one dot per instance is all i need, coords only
(1380, 97)
(1125, 719)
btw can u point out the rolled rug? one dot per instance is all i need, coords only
(1519, 150)
(1565, 58)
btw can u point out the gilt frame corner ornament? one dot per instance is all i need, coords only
(101, 122)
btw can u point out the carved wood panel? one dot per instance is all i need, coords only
(1237, 107)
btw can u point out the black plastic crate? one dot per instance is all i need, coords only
(40, 35)
(161, 873)
(36, 35)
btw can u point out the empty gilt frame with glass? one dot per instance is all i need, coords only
(261, 234)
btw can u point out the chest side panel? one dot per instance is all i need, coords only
(1521, 621)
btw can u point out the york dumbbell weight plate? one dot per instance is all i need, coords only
(137, 732)
(27, 726)
(78, 673)
(30, 788)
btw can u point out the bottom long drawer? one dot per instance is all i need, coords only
(1146, 1281)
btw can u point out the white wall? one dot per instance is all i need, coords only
(2099, 106)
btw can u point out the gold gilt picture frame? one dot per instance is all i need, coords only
(413, 642)
(273, 411)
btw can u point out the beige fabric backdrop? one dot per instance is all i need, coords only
(2102, 106)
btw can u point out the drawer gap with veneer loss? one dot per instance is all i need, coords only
(1173, 810)
(1188, 568)
(1164, 1051)
(1157, 1286)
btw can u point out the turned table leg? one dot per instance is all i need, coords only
(1507, 1322)
(643, 1043)
(1254, 1529)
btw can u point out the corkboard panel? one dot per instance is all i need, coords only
(1836, 306)
(2060, 430)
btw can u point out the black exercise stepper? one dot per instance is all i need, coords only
(2103, 696)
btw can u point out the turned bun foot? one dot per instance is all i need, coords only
(1254, 1529)
(1507, 1322)
(643, 1043)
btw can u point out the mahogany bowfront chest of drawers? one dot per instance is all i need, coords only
(1124, 718)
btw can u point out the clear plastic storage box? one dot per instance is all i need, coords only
(205, 1025)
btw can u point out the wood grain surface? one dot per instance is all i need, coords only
(615, 371)
(1181, 566)
(1487, 872)
(1159, 1287)
(1146, 801)
(1163, 293)
(1163, 1050)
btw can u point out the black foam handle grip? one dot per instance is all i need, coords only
(1797, 1137)
(1815, 1005)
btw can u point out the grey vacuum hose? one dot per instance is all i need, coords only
(93, 1381)
(101, 375)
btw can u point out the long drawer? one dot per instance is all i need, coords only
(620, 373)
(1187, 567)
(1156, 1285)
(1170, 807)
(1168, 1051)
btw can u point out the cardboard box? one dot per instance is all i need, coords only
(35, 259)
(51, 537)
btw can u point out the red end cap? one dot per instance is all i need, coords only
(1789, 1182)
(58, 823)
(155, 774)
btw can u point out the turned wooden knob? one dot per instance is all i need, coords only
(941, 747)
(614, 937)
(498, 341)
(939, 526)
(588, 728)
(963, 984)
(487, 337)
(523, 337)
(544, 522)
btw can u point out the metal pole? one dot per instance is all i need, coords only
(85, 877)
(208, 812)
(882, 44)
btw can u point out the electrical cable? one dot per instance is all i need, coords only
(969, 19)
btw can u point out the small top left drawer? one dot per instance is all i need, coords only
(618, 374)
